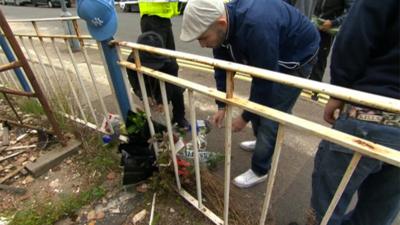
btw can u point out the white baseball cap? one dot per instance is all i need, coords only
(198, 16)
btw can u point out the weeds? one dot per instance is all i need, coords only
(47, 213)
(31, 106)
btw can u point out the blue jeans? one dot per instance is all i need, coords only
(282, 98)
(377, 183)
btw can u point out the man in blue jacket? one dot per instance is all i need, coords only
(269, 34)
(365, 57)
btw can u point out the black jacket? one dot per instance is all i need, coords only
(335, 10)
(366, 54)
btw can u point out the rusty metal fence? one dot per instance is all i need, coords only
(67, 72)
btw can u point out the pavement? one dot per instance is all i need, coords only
(292, 190)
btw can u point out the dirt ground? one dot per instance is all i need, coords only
(72, 177)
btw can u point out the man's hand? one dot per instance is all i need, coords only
(326, 25)
(238, 124)
(330, 109)
(218, 118)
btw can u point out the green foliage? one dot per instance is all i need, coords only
(214, 160)
(48, 213)
(31, 106)
(138, 122)
(156, 219)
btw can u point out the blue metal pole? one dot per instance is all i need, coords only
(111, 58)
(10, 56)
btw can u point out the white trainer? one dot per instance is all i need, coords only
(248, 146)
(248, 179)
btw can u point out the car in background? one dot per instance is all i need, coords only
(128, 5)
(15, 2)
(51, 3)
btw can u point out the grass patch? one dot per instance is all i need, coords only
(31, 106)
(47, 213)
(94, 157)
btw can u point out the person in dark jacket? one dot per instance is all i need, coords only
(331, 13)
(365, 57)
(162, 64)
(269, 34)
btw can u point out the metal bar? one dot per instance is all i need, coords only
(9, 66)
(2, 79)
(93, 126)
(228, 149)
(126, 81)
(8, 53)
(29, 73)
(147, 105)
(170, 132)
(11, 76)
(192, 107)
(70, 84)
(89, 65)
(7, 76)
(35, 70)
(78, 76)
(208, 213)
(41, 61)
(12, 108)
(272, 173)
(358, 97)
(19, 93)
(228, 144)
(69, 37)
(109, 78)
(111, 57)
(16, 123)
(39, 75)
(43, 19)
(343, 183)
(44, 69)
(61, 94)
(56, 94)
(362, 146)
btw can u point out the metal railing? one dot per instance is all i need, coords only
(87, 113)
(68, 78)
(359, 146)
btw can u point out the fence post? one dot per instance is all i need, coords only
(10, 56)
(111, 58)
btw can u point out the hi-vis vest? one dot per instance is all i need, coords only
(161, 8)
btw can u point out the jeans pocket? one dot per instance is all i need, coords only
(345, 125)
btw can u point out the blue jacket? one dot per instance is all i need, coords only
(366, 54)
(269, 34)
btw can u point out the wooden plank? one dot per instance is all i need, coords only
(362, 146)
(12, 174)
(11, 156)
(20, 147)
(52, 158)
